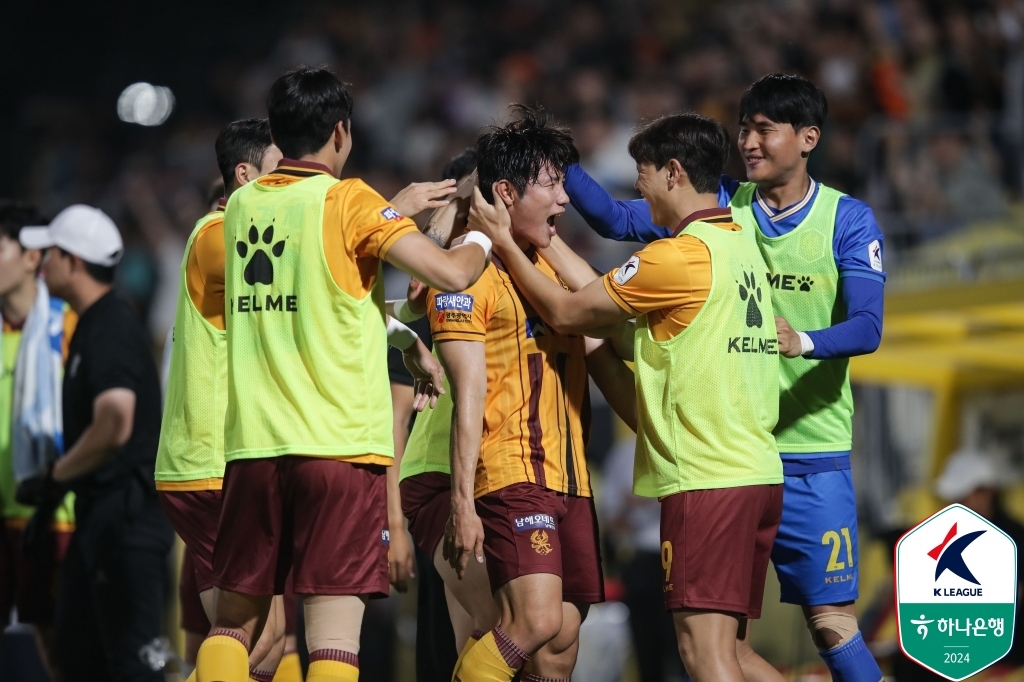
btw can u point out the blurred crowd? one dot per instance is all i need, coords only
(926, 104)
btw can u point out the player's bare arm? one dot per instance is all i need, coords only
(466, 363)
(574, 272)
(453, 270)
(571, 313)
(614, 378)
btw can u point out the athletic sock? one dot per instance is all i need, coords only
(473, 639)
(495, 658)
(192, 677)
(528, 677)
(333, 665)
(223, 657)
(852, 662)
(257, 675)
(289, 669)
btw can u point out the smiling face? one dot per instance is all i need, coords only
(535, 211)
(774, 152)
(653, 186)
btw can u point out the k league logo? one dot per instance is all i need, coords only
(956, 592)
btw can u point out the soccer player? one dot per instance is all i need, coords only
(706, 376)
(36, 332)
(520, 489)
(309, 428)
(425, 482)
(824, 255)
(190, 459)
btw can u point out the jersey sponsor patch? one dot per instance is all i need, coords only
(463, 302)
(627, 271)
(875, 255)
(534, 522)
(390, 213)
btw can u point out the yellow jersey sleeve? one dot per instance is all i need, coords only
(462, 316)
(370, 224)
(669, 280)
(204, 272)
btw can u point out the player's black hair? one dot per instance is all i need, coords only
(460, 166)
(782, 98)
(15, 215)
(700, 145)
(519, 150)
(304, 105)
(244, 141)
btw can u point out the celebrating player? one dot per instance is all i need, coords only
(824, 256)
(308, 430)
(425, 479)
(190, 459)
(527, 504)
(706, 376)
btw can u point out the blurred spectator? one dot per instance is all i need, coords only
(112, 586)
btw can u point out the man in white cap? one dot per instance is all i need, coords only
(974, 478)
(112, 589)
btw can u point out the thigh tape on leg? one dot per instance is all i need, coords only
(333, 622)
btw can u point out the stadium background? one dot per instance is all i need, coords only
(926, 124)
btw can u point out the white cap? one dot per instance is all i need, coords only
(82, 230)
(967, 470)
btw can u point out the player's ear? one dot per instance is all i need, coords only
(504, 190)
(243, 174)
(809, 137)
(341, 129)
(676, 176)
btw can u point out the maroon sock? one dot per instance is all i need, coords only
(514, 657)
(527, 677)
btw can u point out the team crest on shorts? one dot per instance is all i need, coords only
(539, 540)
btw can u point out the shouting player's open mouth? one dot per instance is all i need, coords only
(551, 221)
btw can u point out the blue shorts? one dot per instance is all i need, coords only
(815, 552)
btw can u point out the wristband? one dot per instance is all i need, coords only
(403, 313)
(806, 344)
(477, 237)
(400, 336)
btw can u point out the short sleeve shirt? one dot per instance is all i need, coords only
(536, 412)
(111, 349)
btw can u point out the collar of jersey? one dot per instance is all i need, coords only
(303, 169)
(703, 214)
(779, 214)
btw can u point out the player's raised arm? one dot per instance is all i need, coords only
(573, 270)
(611, 218)
(452, 270)
(467, 374)
(572, 313)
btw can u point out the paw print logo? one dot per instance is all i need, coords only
(259, 269)
(805, 283)
(749, 290)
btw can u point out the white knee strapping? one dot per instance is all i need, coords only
(333, 622)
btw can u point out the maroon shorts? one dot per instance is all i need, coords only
(193, 615)
(323, 519)
(194, 515)
(529, 529)
(427, 503)
(29, 586)
(715, 546)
